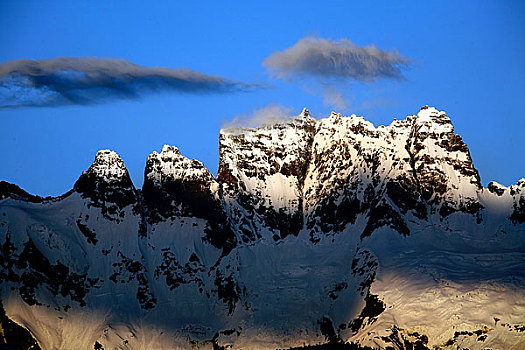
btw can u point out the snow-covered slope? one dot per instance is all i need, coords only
(314, 231)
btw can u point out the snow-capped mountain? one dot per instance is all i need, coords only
(313, 232)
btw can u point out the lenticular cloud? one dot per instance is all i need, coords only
(80, 81)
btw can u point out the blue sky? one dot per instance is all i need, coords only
(467, 59)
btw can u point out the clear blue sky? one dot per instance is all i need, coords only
(469, 60)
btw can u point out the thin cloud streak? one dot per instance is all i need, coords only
(326, 59)
(85, 81)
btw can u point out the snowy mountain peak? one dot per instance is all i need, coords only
(170, 165)
(107, 184)
(443, 167)
(305, 113)
(335, 115)
(521, 183)
(168, 150)
(429, 119)
(108, 166)
(177, 186)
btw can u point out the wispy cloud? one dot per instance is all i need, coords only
(82, 81)
(271, 114)
(327, 59)
(334, 98)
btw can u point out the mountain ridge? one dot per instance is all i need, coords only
(313, 230)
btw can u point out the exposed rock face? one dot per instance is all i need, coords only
(496, 188)
(443, 166)
(359, 172)
(8, 190)
(314, 231)
(518, 194)
(175, 186)
(262, 173)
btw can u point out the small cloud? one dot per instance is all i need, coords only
(271, 114)
(326, 59)
(83, 81)
(334, 98)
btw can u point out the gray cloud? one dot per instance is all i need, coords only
(82, 81)
(326, 59)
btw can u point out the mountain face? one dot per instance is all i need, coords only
(313, 232)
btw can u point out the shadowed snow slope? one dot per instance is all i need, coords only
(314, 231)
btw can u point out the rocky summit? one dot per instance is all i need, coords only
(329, 233)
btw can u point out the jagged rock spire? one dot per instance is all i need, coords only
(108, 184)
(305, 113)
